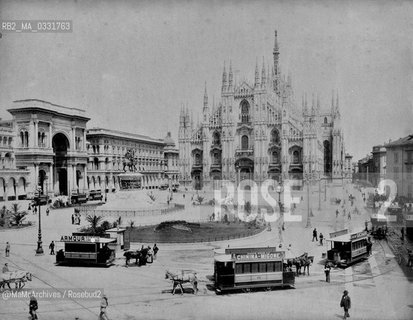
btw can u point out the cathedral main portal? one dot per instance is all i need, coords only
(245, 169)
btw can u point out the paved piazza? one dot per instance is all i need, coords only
(378, 287)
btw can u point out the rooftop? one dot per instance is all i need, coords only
(122, 134)
(406, 141)
(19, 105)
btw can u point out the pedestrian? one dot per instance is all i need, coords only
(366, 224)
(410, 255)
(73, 218)
(51, 247)
(33, 306)
(7, 249)
(345, 303)
(402, 234)
(337, 212)
(103, 306)
(327, 270)
(369, 245)
(6, 268)
(349, 215)
(315, 235)
(321, 239)
(47, 211)
(155, 251)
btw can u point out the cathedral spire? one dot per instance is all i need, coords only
(231, 76)
(257, 75)
(313, 106)
(263, 74)
(205, 96)
(305, 105)
(276, 53)
(337, 111)
(224, 79)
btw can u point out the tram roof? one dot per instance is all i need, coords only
(345, 238)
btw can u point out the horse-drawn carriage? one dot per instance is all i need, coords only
(18, 277)
(182, 277)
(347, 248)
(251, 268)
(304, 261)
(143, 256)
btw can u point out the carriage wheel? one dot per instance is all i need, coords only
(246, 290)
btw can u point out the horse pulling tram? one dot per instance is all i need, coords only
(86, 250)
(249, 268)
(347, 249)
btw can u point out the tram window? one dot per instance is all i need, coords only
(254, 267)
(270, 266)
(278, 266)
(247, 267)
(75, 247)
(262, 267)
(238, 268)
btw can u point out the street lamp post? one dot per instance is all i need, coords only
(38, 201)
(319, 191)
(307, 179)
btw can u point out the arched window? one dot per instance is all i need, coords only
(296, 157)
(197, 159)
(274, 157)
(275, 137)
(21, 138)
(217, 139)
(244, 142)
(26, 139)
(96, 163)
(245, 109)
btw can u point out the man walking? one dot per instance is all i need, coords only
(327, 270)
(345, 303)
(7, 249)
(321, 239)
(33, 306)
(51, 247)
(315, 235)
(103, 305)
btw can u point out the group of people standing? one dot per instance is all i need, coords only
(316, 236)
(76, 218)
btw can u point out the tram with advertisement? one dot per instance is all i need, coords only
(250, 268)
(347, 248)
(86, 250)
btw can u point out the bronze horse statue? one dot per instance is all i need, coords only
(130, 161)
(184, 277)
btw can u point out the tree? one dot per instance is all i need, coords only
(17, 216)
(94, 222)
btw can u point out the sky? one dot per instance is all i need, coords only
(132, 64)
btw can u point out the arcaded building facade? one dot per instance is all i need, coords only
(258, 131)
(48, 146)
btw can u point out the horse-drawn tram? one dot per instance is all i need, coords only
(347, 249)
(86, 250)
(249, 268)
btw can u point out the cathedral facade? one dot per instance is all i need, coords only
(258, 131)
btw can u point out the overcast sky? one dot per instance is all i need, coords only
(132, 64)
